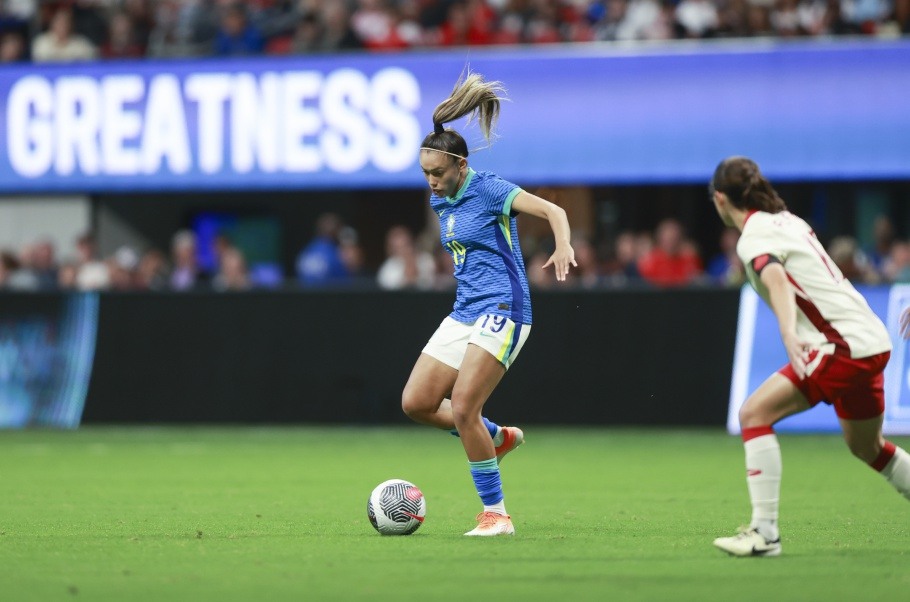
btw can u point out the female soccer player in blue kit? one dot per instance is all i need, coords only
(473, 347)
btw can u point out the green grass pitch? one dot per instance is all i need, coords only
(272, 514)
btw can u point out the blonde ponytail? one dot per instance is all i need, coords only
(472, 95)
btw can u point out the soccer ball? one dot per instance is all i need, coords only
(396, 507)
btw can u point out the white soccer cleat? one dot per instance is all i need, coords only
(748, 542)
(512, 437)
(492, 524)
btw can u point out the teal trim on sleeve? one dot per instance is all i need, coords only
(507, 206)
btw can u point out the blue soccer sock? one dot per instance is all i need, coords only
(494, 429)
(488, 482)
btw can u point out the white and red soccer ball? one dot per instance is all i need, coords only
(396, 507)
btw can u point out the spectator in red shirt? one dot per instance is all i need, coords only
(468, 24)
(673, 261)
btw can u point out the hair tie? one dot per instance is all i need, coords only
(437, 128)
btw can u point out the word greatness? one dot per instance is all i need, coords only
(212, 123)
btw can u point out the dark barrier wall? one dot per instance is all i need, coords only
(610, 357)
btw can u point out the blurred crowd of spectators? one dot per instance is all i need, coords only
(333, 257)
(69, 30)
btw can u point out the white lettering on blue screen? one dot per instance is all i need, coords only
(292, 122)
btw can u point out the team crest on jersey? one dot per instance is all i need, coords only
(450, 226)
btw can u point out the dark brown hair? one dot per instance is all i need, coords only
(742, 181)
(472, 95)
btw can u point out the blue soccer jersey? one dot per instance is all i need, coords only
(478, 230)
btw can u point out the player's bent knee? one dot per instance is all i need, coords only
(750, 418)
(412, 405)
(463, 415)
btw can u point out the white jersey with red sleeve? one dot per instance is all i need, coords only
(832, 316)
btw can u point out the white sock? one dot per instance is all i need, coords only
(498, 508)
(897, 472)
(767, 527)
(498, 437)
(763, 472)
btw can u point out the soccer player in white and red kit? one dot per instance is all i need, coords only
(837, 347)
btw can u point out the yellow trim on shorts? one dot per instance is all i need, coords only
(507, 345)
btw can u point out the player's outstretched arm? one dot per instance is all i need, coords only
(564, 255)
(783, 302)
